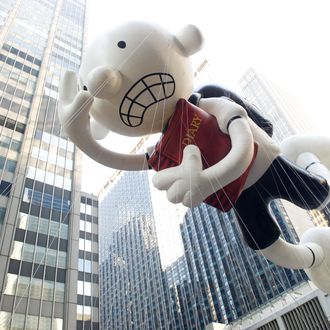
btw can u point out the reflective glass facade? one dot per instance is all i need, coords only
(133, 290)
(39, 212)
(230, 279)
(217, 279)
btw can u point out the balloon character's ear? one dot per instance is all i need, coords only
(189, 39)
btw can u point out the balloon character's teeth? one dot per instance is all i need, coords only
(149, 90)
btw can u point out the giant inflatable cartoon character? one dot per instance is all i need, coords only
(137, 80)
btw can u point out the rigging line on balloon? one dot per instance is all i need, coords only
(261, 252)
(306, 186)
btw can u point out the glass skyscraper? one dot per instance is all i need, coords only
(232, 279)
(40, 170)
(133, 289)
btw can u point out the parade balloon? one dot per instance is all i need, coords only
(137, 79)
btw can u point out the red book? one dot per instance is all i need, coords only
(192, 125)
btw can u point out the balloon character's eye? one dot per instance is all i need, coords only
(121, 44)
(85, 88)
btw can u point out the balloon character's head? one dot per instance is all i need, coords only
(136, 73)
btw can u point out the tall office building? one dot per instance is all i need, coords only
(133, 289)
(232, 279)
(39, 167)
(185, 296)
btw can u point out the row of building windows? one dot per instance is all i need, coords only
(68, 51)
(14, 107)
(39, 239)
(21, 54)
(15, 91)
(19, 65)
(66, 62)
(45, 213)
(84, 288)
(85, 265)
(43, 226)
(23, 79)
(87, 301)
(54, 141)
(15, 103)
(89, 218)
(9, 143)
(85, 226)
(87, 325)
(89, 236)
(12, 124)
(35, 288)
(46, 200)
(25, 268)
(33, 47)
(89, 201)
(52, 158)
(67, 39)
(49, 178)
(48, 189)
(38, 254)
(88, 277)
(89, 255)
(18, 321)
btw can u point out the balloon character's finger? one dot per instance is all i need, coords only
(164, 179)
(176, 191)
(68, 87)
(192, 158)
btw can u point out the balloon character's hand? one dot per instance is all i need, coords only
(185, 183)
(74, 105)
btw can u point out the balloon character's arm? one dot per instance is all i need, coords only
(233, 120)
(188, 183)
(75, 119)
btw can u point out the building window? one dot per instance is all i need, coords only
(5, 188)
(85, 244)
(83, 313)
(2, 214)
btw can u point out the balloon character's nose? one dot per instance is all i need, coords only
(104, 81)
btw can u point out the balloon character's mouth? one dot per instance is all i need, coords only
(150, 89)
